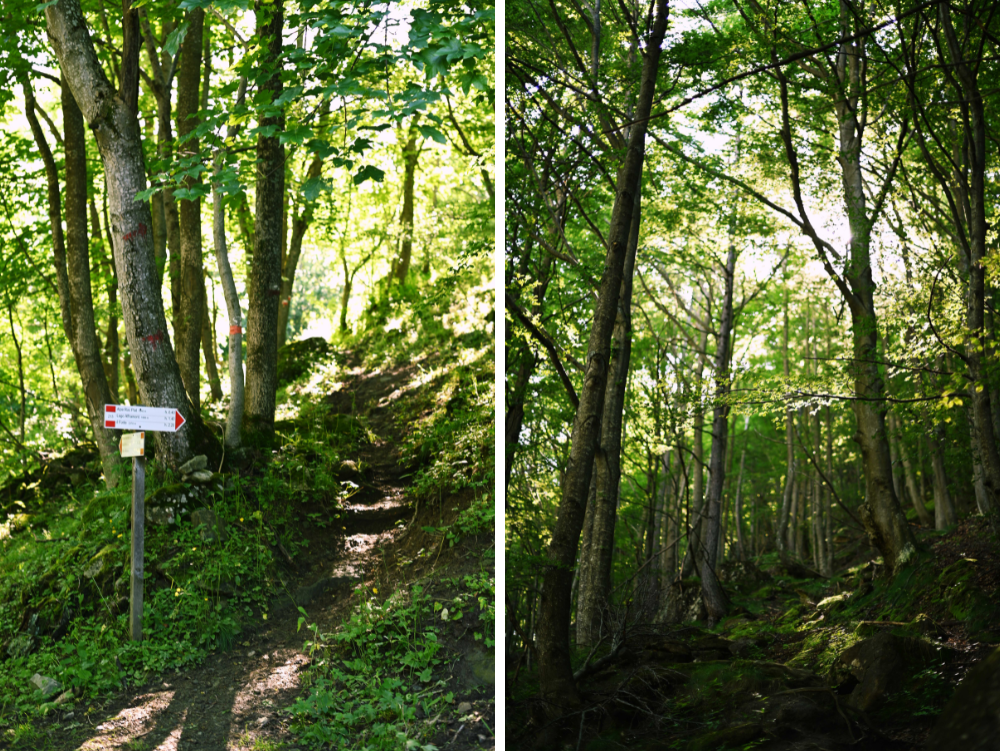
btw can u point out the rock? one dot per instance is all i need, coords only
(201, 477)
(64, 697)
(169, 503)
(970, 721)
(464, 708)
(211, 527)
(21, 645)
(684, 603)
(881, 665)
(47, 686)
(95, 568)
(743, 646)
(348, 470)
(476, 670)
(196, 464)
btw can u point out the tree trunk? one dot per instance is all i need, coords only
(112, 118)
(234, 416)
(715, 599)
(208, 350)
(974, 142)
(112, 344)
(558, 688)
(71, 258)
(300, 223)
(741, 546)
(911, 483)
(411, 153)
(944, 510)
(264, 288)
(786, 497)
(188, 323)
(595, 573)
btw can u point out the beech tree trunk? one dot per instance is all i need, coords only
(111, 116)
(264, 288)
(411, 153)
(977, 226)
(716, 602)
(595, 566)
(911, 483)
(944, 509)
(71, 258)
(786, 497)
(558, 688)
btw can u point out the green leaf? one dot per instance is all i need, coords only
(369, 172)
(175, 39)
(433, 133)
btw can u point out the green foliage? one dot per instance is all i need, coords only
(370, 676)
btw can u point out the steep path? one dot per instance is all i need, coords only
(232, 700)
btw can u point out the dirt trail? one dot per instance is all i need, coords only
(232, 700)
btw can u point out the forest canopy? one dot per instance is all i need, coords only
(188, 186)
(750, 291)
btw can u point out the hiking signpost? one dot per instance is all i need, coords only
(121, 417)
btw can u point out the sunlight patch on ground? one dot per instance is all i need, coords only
(135, 721)
(249, 716)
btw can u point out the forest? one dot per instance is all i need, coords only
(752, 396)
(276, 218)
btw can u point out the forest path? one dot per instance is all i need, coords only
(231, 701)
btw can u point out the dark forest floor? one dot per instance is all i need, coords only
(802, 663)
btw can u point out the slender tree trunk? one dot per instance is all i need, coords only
(974, 142)
(300, 223)
(264, 288)
(716, 602)
(555, 674)
(944, 510)
(786, 498)
(411, 153)
(741, 547)
(188, 323)
(595, 577)
(72, 264)
(208, 350)
(112, 345)
(112, 117)
(697, 470)
(911, 483)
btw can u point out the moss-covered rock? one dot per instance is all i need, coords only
(882, 665)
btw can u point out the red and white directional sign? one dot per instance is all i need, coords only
(122, 417)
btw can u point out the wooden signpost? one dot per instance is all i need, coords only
(134, 445)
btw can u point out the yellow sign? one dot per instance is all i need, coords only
(133, 444)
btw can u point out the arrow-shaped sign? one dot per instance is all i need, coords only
(160, 419)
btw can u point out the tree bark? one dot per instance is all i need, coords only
(786, 497)
(71, 258)
(595, 570)
(558, 688)
(208, 349)
(411, 153)
(911, 483)
(188, 322)
(116, 128)
(300, 223)
(944, 509)
(716, 602)
(974, 120)
(264, 288)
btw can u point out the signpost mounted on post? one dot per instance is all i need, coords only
(134, 445)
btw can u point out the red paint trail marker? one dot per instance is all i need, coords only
(159, 419)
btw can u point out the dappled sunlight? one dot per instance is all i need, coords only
(135, 722)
